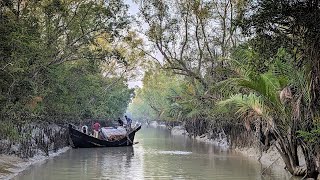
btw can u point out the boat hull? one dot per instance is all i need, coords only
(82, 140)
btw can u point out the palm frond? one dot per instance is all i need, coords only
(195, 113)
(266, 85)
(247, 106)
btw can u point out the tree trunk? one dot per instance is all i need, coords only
(310, 158)
(287, 148)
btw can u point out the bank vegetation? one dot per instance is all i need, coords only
(62, 61)
(249, 69)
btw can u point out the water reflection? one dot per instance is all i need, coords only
(159, 155)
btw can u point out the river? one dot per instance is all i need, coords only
(158, 155)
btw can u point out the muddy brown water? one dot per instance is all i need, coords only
(158, 155)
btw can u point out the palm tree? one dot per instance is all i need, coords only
(277, 97)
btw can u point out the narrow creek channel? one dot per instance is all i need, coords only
(158, 155)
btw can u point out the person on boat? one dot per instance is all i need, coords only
(129, 121)
(120, 122)
(96, 127)
(85, 129)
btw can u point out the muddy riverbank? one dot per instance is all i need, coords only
(11, 165)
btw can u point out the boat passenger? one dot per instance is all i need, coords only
(120, 122)
(84, 129)
(129, 121)
(96, 128)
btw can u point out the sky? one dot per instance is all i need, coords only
(133, 10)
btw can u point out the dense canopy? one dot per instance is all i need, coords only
(208, 65)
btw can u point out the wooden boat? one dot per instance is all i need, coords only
(79, 139)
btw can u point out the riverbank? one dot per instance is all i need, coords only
(11, 165)
(270, 160)
(221, 141)
(35, 143)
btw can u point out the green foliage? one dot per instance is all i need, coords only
(49, 68)
(182, 32)
(246, 105)
(8, 131)
(312, 136)
(273, 76)
(154, 101)
(79, 93)
(268, 86)
(171, 98)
